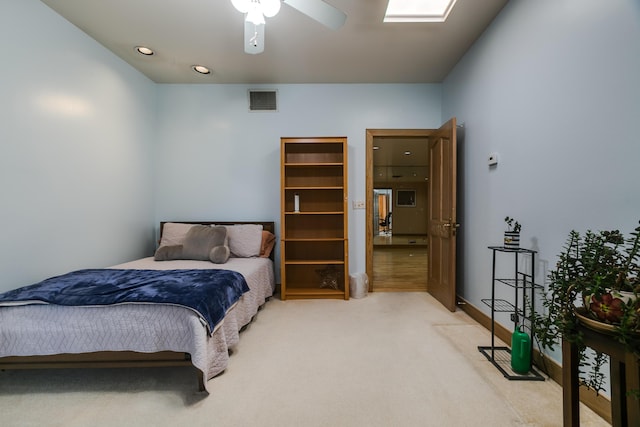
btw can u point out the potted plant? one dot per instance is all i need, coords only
(596, 281)
(512, 235)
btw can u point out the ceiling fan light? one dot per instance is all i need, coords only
(241, 5)
(255, 16)
(270, 8)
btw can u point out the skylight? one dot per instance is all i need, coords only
(418, 10)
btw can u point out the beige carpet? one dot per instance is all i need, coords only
(390, 359)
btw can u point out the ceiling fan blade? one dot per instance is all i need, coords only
(320, 11)
(253, 38)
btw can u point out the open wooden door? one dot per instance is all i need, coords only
(442, 222)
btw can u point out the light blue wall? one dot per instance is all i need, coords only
(94, 155)
(87, 143)
(216, 160)
(76, 127)
(554, 88)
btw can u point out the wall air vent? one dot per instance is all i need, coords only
(262, 100)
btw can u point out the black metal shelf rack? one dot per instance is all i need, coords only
(524, 287)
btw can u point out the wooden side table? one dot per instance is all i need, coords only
(624, 376)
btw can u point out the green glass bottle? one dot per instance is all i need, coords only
(520, 351)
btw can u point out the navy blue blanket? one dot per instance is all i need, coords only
(209, 292)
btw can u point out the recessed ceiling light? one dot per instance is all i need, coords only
(407, 153)
(144, 50)
(201, 69)
(418, 10)
(375, 147)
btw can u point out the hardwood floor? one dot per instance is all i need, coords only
(400, 268)
(399, 240)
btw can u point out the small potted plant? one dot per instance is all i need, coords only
(512, 235)
(596, 282)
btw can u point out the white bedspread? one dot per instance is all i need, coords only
(49, 329)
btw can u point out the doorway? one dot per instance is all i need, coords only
(423, 210)
(382, 210)
(399, 221)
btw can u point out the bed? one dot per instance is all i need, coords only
(143, 334)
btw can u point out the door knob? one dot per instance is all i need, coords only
(453, 227)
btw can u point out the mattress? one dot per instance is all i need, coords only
(146, 328)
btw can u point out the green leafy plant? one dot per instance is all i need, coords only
(593, 270)
(512, 224)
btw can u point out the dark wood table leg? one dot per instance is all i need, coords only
(632, 379)
(570, 393)
(618, 398)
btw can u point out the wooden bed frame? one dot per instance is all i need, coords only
(121, 359)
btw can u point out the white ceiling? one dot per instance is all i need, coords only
(297, 49)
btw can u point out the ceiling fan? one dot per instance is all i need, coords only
(257, 10)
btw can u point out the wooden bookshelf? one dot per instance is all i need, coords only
(314, 238)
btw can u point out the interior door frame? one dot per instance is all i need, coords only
(371, 135)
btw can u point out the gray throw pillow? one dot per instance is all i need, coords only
(219, 254)
(202, 242)
(168, 252)
(199, 241)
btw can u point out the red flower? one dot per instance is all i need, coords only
(607, 308)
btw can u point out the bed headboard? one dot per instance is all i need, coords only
(266, 225)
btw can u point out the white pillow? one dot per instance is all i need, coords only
(173, 233)
(245, 240)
